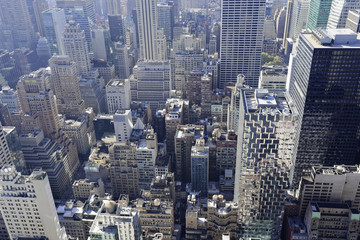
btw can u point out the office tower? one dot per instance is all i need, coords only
(152, 83)
(106, 69)
(212, 44)
(76, 47)
(16, 24)
(328, 133)
(343, 222)
(5, 154)
(64, 77)
(241, 40)
(166, 19)
(124, 171)
(39, 112)
(318, 14)
(193, 87)
(338, 183)
(289, 10)
(115, 7)
(93, 96)
(40, 152)
(118, 95)
(123, 125)
(273, 78)
(82, 12)
(186, 61)
(200, 167)
(339, 12)
(8, 68)
(13, 141)
(34, 205)
(213, 66)
(100, 40)
(280, 22)
(116, 222)
(43, 52)
(35, 96)
(9, 97)
(54, 23)
(226, 144)
(146, 153)
(116, 28)
(5, 118)
(266, 142)
(353, 20)
(175, 111)
(77, 131)
(185, 138)
(234, 106)
(39, 6)
(121, 60)
(149, 35)
(299, 18)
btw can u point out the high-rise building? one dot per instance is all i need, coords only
(121, 61)
(166, 19)
(299, 18)
(328, 114)
(124, 171)
(82, 12)
(200, 167)
(100, 40)
(353, 20)
(147, 18)
(64, 77)
(339, 183)
(76, 47)
(289, 10)
(146, 153)
(266, 142)
(318, 14)
(16, 24)
(123, 125)
(9, 97)
(39, 112)
(38, 6)
(5, 154)
(234, 106)
(242, 33)
(40, 152)
(118, 95)
(54, 23)
(185, 138)
(116, 222)
(152, 83)
(116, 28)
(28, 198)
(35, 96)
(339, 12)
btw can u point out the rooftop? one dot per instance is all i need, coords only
(333, 38)
(265, 101)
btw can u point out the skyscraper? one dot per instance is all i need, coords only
(339, 12)
(325, 89)
(266, 141)
(82, 12)
(200, 167)
(241, 44)
(54, 23)
(76, 47)
(299, 17)
(16, 24)
(166, 19)
(318, 14)
(5, 154)
(66, 85)
(147, 18)
(34, 205)
(35, 95)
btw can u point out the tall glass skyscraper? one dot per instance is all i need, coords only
(326, 90)
(242, 36)
(318, 14)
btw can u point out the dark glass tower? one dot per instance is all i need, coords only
(325, 86)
